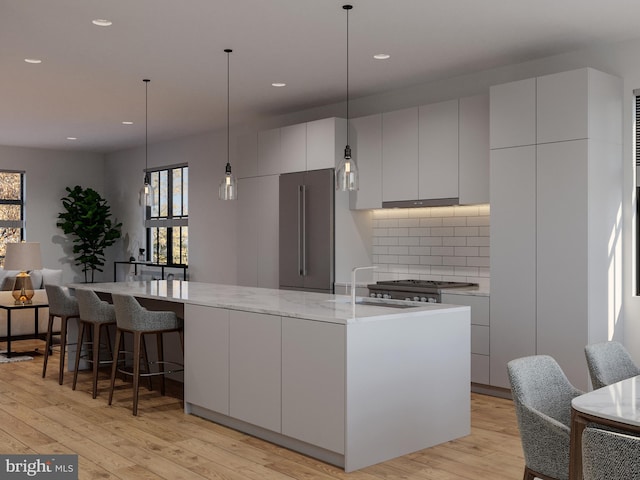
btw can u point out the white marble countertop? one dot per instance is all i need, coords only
(287, 303)
(619, 402)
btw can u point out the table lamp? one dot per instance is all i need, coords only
(23, 256)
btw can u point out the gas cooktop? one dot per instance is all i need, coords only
(418, 285)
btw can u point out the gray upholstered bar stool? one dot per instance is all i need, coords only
(95, 315)
(133, 318)
(65, 306)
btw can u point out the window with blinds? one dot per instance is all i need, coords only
(637, 187)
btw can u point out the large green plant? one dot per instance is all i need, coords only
(87, 218)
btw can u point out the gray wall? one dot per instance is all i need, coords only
(48, 172)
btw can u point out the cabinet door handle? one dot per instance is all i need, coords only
(304, 231)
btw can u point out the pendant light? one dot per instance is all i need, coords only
(147, 189)
(229, 185)
(347, 173)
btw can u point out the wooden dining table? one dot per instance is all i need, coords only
(616, 405)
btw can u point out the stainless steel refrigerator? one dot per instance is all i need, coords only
(307, 231)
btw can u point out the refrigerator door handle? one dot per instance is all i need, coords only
(300, 224)
(303, 233)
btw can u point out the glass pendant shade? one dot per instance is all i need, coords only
(347, 173)
(228, 186)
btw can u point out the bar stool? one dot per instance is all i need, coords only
(131, 317)
(64, 305)
(97, 315)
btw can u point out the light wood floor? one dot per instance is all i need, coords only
(39, 416)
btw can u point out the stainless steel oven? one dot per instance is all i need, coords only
(415, 290)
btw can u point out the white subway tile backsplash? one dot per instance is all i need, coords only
(409, 222)
(455, 261)
(466, 251)
(442, 251)
(466, 231)
(442, 231)
(454, 241)
(454, 222)
(420, 250)
(438, 243)
(410, 241)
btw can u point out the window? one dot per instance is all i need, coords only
(167, 219)
(11, 209)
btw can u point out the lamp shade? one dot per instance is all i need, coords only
(23, 256)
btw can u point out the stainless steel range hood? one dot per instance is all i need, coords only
(429, 202)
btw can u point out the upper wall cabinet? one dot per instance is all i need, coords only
(246, 161)
(269, 152)
(400, 155)
(513, 114)
(473, 159)
(326, 140)
(570, 106)
(293, 148)
(297, 148)
(438, 150)
(366, 146)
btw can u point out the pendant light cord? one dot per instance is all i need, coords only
(146, 130)
(228, 82)
(348, 71)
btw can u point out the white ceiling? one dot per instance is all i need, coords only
(90, 78)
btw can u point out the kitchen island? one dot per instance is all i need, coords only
(308, 371)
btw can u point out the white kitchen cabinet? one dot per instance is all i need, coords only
(247, 231)
(562, 180)
(293, 148)
(313, 382)
(326, 139)
(246, 160)
(513, 258)
(366, 145)
(267, 238)
(255, 347)
(513, 114)
(400, 155)
(473, 159)
(206, 357)
(562, 106)
(257, 232)
(480, 333)
(269, 152)
(572, 272)
(438, 150)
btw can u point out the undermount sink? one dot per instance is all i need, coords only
(374, 302)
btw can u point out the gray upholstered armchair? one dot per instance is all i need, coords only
(609, 362)
(608, 455)
(542, 396)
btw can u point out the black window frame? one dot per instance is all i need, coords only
(15, 224)
(156, 220)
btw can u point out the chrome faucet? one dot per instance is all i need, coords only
(353, 285)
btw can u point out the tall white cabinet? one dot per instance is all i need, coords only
(556, 194)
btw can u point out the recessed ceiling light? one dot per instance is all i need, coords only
(101, 22)
(33, 60)
(278, 84)
(127, 123)
(381, 56)
(72, 138)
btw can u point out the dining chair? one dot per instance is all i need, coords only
(133, 318)
(542, 396)
(608, 455)
(65, 306)
(609, 362)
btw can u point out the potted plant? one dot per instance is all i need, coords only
(87, 218)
